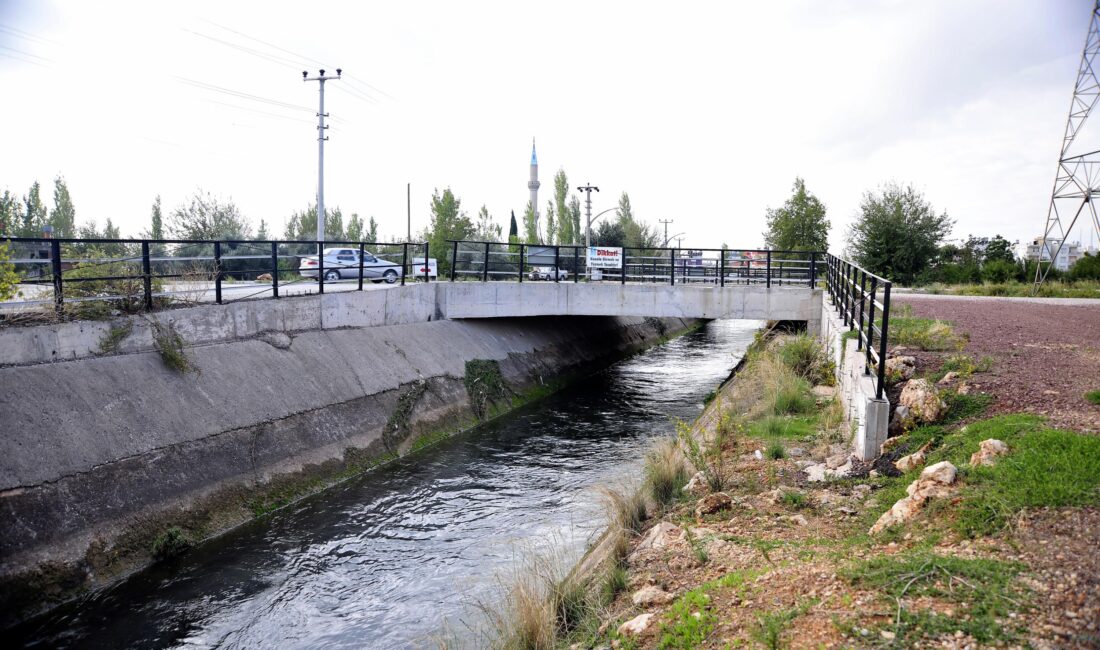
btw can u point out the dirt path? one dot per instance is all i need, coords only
(1046, 355)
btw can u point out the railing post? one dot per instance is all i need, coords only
(813, 268)
(622, 272)
(883, 340)
(521, 246)
(672, 266)
(218, 272)
(557, 263)
(147, 274)
(862, 300)
(722, 268)
(58, 280)
(576, 264)
(485, 265)
(275, 268)
(428, 264)
(769, 269)
(871, 324)
(405, 268)
(361, 266)
(454, 259)
(320, 267)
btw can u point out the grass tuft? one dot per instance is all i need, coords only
(666, 472)
(776, 451)
(1093, 397)
(805, 356)
(170, 346)
(169, 544)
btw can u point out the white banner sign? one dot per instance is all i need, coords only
(603, 257)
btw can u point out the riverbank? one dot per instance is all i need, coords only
(781, 539)
(133, 460)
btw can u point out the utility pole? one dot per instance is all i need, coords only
(665, 222)
(408, 213)
(321, 137)
(588, 189)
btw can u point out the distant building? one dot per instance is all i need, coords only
(1067, 257)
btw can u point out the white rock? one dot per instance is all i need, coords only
(697, 486)
(947, 379)
(660, 536)
(922, 400)
(636, 626)
(833, 462)
(987, 453)
(799, 519)
(651, 595)
(759, 455)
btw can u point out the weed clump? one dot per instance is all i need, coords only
(169, 344)
(169, 544)
(114, 336)
(776, 451)
(665, 472)
(1093, 397)
(484, 385)
(805, 356)
(705, 456)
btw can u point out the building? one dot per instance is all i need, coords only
(1067, 256)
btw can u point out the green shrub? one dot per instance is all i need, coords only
(169, 544)
(792, 397)
(805, 356)
(795, 500)
(775, 451)
(1093, 397)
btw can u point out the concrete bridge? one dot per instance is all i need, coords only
(798, 302)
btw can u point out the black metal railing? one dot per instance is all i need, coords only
(854, 293)
(142, 272)
(496, 261)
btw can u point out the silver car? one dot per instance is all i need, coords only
(343, 263)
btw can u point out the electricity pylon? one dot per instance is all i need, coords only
(1078, 175)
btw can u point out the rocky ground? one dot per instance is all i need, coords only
(1047, 355)
(891, 553)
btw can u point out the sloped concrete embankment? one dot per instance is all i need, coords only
(103, 455)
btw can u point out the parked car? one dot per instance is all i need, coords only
(343, 263)
(548, 273)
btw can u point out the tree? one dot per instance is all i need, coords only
(34, 213)
(372, 229)
(551, 236)
(566, 232)
(63, 216)
(531, 225)
(513, 230)
(354, 231)
(609, 233)
(485, 229)
(575, 217)
(800, 225)
(999, 248)
(302, 225)
(205, 217)
(1085, 268)
(448, 222)
(9, 279)
(896, 233)
(156, 221)
(10, 214)
(261, 232)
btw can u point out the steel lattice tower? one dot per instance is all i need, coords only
(1078, 176)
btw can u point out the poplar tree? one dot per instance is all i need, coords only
(566, 231)
(448, 222)
(531, 225)
(513, 229)
(551, 224)
(10, 214)
(63, 215)
(34, 213)
(156, 221)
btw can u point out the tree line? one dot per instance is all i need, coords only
(897, 234)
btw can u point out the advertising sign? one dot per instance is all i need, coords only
(604, 257)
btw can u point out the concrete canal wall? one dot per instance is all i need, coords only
(107, 452)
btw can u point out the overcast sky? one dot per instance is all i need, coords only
(704, 112)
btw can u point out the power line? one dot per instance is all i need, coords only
(244, 95)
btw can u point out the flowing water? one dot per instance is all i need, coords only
(390, 558)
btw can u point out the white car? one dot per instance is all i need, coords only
(547, 273)
(343, 263)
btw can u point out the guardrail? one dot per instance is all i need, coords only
(496, 261)
(854, 291)
(140, 272)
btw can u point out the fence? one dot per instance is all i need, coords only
(494, 261)
(140, 273)
(854, 292)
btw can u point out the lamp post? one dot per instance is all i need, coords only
(591, 220)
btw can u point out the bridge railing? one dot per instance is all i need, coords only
(863, 301)
(85, 275)
(484, 261)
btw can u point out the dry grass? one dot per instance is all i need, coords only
(666, 471)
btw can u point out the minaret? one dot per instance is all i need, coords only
(533, 184)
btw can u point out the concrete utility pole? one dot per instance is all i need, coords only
(588, 189)
(321, 137)
(665, 222)
(408, 213)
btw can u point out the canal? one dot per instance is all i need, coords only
(391, 558)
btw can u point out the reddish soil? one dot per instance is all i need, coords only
(1046, 356)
